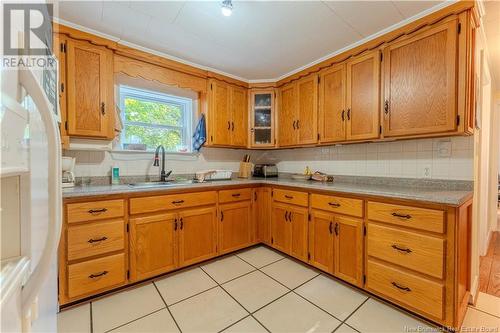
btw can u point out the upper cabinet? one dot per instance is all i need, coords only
(332, 100)
(363, 97)
(90, 110)
(262, 123)
(420, 83)
(228, 114)
(298, 112)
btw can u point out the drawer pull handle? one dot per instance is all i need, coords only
(97, 240)
(334, 204)
(288, 197)
(97, 211)
(407, 216)
(93, 276)
(236, 195)
(177, 202)
(400, 287)
(395, 247)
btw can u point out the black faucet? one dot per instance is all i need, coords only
(163, 175)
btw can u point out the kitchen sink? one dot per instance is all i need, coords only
(162, 184)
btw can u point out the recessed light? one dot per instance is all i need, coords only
(227, 8)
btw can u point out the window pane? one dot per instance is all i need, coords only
(152, 112)
(152, 137)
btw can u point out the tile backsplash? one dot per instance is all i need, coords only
(442, 158)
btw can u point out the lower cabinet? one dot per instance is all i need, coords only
(153, 245)
(163, 242)
(235, 227)
(262, 215)
(336, 245)
(289, 229)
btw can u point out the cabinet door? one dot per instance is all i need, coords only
(239, 112)
(89, 84)
(262, 118)
(153, 245)
(287, 116)
(321, 240)
(280, 228)
(197, 235)
(348, 251)
(332, 113)
(220, 113)
(235, 226)
(307, 115)
(363, 96)
(420, 78)
(298, 218)
(262, 214)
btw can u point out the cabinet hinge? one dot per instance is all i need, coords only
(458, 120)
(381, 56)
(364, 279)
(274, 141)
(128, 274)
(211, 138)
(272, 240)
(128, 227)
(65, 48)
(319, 79)
(364, 230)
(272, 193)
(66, 125)
(309, 217)
(319, 137)
(459, 28)
(62, 87)
(211, 88)
(255, 196)
(308, 256)
(380, 129)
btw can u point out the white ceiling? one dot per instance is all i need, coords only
(262, 40)
(491, 24)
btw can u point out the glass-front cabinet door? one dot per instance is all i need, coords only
(262, 118)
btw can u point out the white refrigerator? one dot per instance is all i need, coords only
(30, 176)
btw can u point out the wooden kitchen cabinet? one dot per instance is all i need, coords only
(153, 245)
(420, 82)
(348, 249)
(235, 227)
(262, 119)
(228, 114)
(321, 240)
(262, 214)
(332, 110)
(289, 229)
(298, 112)
(197, 235)
(89, 90)
(363, 97)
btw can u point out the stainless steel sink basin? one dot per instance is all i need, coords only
(162, 184)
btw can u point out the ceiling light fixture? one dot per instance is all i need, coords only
(227, 8)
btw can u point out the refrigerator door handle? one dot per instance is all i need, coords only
(37, 278)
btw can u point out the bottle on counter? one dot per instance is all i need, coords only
(115, 175)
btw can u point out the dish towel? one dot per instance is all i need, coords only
(200, 134)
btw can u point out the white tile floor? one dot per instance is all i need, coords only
(256, 290)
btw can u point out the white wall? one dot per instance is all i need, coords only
(411, 159)
(406, 159)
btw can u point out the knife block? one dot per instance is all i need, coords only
(245, 170)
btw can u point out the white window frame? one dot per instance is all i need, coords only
(154, 96)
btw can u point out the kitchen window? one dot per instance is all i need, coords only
(153, 118)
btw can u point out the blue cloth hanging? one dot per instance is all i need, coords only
(200, 134)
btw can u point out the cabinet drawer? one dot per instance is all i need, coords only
(292, 197)
(347, 206)
(407, 216)
(235, 195)
(421, 253)
(173, 201)
(95, 210)
(94, 275)
(95, 238)
(424, 295)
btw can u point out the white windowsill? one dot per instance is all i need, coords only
(171, 155)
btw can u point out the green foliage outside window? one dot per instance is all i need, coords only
(153, 123)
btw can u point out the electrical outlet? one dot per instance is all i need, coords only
(427, 171)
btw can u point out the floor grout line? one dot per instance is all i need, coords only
(194, 295)
(91, 319)
(483, 311)
(134, 320)
(166, 305)
(355, 310)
